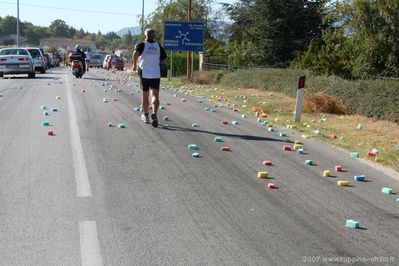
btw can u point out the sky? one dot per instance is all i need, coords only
(124, 13)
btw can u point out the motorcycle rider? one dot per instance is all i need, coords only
(78, 54)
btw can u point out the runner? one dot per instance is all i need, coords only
(149, 55)
(88, 59)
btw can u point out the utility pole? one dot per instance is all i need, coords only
(17, 23)
(142, 19)
(188, 52)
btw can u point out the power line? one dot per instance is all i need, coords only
(73, 9)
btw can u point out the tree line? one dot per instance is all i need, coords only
(348, 38)
(59, 28)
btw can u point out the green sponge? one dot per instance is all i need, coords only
(192, 147)
(352, 224)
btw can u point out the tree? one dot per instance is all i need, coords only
(177, 10)
(8, 42)
(9, 25)
(33, 33)
(362, 41)
(80, 34)
(127, 40)
(277, 28)
(375, 27)
(59, 28)
(112, 36)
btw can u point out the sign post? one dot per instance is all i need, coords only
(299, 98)
(184, 36)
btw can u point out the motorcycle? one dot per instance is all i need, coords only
(77, 68)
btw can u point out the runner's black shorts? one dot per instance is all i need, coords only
(147, 84)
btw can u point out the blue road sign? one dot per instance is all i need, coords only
(183, 36)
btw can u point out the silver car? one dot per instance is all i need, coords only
(16, 61)
(38, 59)
(97, 60)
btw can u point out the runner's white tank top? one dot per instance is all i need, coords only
(149, 61)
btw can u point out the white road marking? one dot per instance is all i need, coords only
(89, 246)
(79, 163)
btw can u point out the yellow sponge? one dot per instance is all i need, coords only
(263, 174)
(343, 183)
(326, 173)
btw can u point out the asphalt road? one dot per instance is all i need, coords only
(94, 195)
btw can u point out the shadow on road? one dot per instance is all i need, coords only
(94, 79)
(37, 77)
(237, 136)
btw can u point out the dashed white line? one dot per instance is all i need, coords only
(82, 179)
(89, 245)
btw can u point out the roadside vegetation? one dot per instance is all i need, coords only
(352, 132)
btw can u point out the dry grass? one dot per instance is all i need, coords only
(322, 102)
(374, 134)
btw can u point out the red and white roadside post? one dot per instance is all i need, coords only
(299, 98)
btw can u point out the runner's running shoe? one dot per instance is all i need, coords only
(145, 118)
(154, 120)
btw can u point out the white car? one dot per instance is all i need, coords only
(38, 59)
(16, 61)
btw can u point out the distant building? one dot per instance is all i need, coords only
(11, 40)
(67, 44)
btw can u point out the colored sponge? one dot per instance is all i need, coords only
(263, 174)
(343, 183)
(359, 177)
(297, 146)
(195, 155)
(387, 190)
(326, 173)
(192, 147)
(352, 224)
(217, 139)
(271, 186)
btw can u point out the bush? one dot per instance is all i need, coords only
(179, 60)
(372, 98)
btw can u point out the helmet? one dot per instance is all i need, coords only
(77, 47)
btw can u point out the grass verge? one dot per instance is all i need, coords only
(354, 133)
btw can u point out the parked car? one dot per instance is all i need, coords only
(38, 59)
(16, 61)
(107, 64)
(97, 60)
